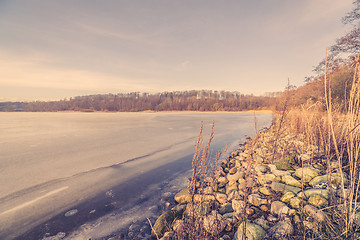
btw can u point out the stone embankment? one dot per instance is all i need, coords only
(273, 187)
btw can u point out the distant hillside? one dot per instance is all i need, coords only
(204, 100)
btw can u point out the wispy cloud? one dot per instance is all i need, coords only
(104, 32)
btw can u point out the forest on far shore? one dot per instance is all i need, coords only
(195, 100)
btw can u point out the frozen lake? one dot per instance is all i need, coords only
(50, 162)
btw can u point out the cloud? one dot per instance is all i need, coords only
(104, 32)
(183, 65)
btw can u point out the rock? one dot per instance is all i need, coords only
(262, 223)
(306, 174)
(223, 180)
(266, 178)
(179, 228)
(238, 205)
(221, 198)
(252, 232)
(314, 191)
(203, 198)
(227, 208)
(233, 170)
(230, 189)
(258, 159)
(280, 187)
(208, 190)
(313, 226)
(229, 216)
(256, 200)
(287, 197)
(335, 179)
(279, 208)
(234, 154)
(279, 173)
(283, 164)
(266, 191)
(295, 202)
(317, 201)
(282, 229)
(314, 213)
(264, 208)
(262, 169)
(183, 196)
(162, 223)
(214, 223)
(233, 177)
(272, 167)
(305, 157)
(289, 180)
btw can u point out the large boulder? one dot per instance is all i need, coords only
(214, 223)
(306, 174)
(256, 200)
(317, 201)
(314, 213)
(252, 232)
(334, 177)
(289, 180)
(282, 230)
(279, 208)
(313, 191)
(183, 196)
(163, 222)
(238, 205)
(280, 187)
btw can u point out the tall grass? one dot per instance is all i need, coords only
(332, 129)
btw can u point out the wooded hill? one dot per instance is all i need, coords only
(204, 100)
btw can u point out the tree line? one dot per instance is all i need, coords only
(195, 100)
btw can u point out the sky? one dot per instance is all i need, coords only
(56, 49)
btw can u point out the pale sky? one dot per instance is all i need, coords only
(55, 49)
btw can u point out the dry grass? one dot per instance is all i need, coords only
(334, 132)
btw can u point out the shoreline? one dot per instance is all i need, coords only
(145, 111)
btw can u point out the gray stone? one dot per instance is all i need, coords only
(314, 213)
(289, 180)
(279, 208)
(295, 202)
(280, 173)
(262, 169)
(266, 191)
(272, 167)
(287, 197)
(306, 174)
(223, 180)
(214, 223)
(234, 177)
(317, 201)
(227, 208)
(266, 178)
(162, 223)
(334, 177)
(233, 170)
(280, 187)
(230, 189)
(183, 196)
(314, 191)
(256, 200)
(221, 198)
(252, 232)
(238, 205)
(282, 229)
(262, 223)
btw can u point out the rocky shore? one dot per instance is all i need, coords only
(273, 187)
